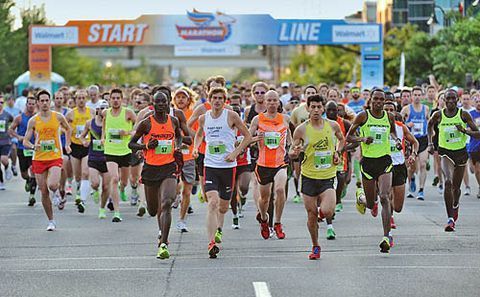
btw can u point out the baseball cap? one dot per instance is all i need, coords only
(102, 104)
(285, 84)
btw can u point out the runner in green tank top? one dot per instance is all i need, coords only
(116, 133)
(376, 126)
(318, 169)
(452, 138)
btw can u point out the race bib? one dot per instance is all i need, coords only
(216, 148)
(417, 129)
(27, 153)
(79, 130)
(322, 160)
(379, 134)
(452, 135)
(164, 147)
(97, 145)
(115, 135)
(272, 139)
(3, 126)
(47, 146)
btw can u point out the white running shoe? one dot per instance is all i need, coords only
(51, 226)
(177, 201)
(56, 199)
(182, 226)
(8, 173)
(2, 187)
(467, 191)
(272, 232)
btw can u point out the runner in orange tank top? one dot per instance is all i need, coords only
(161, 137)
(272, 134)
(47, 156)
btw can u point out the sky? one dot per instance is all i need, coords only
(60, 11)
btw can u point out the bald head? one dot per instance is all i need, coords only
(331, 104)
(272, 94)
(272, 100)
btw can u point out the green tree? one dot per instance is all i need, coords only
(8, 49)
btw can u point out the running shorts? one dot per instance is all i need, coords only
(78, 151)
(100, 166)
(399, 175)
(314, 187)
(372, 168)
(122, 161)
(154, 175)
(266, 175)
(221, 180)
(458, 157)
(188, 171)
(39, 167)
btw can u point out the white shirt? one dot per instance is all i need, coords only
(20, 103)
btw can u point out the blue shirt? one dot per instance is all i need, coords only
(357, 106)
(474, 144)
(419, 120)
(12, 110)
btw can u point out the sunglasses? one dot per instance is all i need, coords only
(1, 102)
(260, 93)
(138, 102)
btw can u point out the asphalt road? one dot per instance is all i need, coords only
(89, 257)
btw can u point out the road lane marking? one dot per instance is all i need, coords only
(261, 289)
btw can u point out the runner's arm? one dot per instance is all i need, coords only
(68, 131)
(28, 135)
(349, 146)
(13, 128)
(178, 134)
(410, 138)
(359, 120)
(247, 138)
(298, 140)
(340, 137)
(139, 132)
(431, 124)
(187, 134)
(198, 136)
(468, 119)
(197, 112)
(85, 131)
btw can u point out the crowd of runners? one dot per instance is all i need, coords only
(157, 146)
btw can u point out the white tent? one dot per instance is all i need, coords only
(23, 81)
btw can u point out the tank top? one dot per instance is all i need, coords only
(22, 129)
(474, 144)
(272, 148)
(115, 144)
(449, 137)
(251, 114)
(419, 120)
(6, 120)
(165, 134)
(78, 124)
(47, 135)
(379, 130)
(357, 106)
(95, 149)
(343, 165)
(244, 158)
(220, 141)
(63, 138)
(398, 157)
(320, 147)
(187, 153)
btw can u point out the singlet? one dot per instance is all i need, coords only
(220, 141)
(379, 130)
(357, 106)
(251, 114)
(165, 134)
(244, 158)
(115, 144)
(398, 157)
(21, 130)
(47, 135)
(201, 148)
(320, 147)
(5, 120)
(448, 136)
(95, 149)
(419, 120)
(272, 148)
(187, 153)
(474, 144)
(78, 124)
(343, 165)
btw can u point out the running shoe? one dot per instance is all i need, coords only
(278, 227)
(182, 226)
(194, 189)
(68, 189)
(134, 197)
(359, 184)
(331, 234)
(14, 171)
(62, 203)
(467, 191)
(428, 166)
(410, 195)
(436, 180)
(177, 201)
(213, 250)
(413, 185)
(344, 192)
(56, 199)
(272, 232)
(259, 218)
(374, 210)
(315, 254)
(116, 217)
(385, 245)
(264, 231)
(81, 207)
(27, 186)
(392, 223)
(243, 200)
(8, 174)
(420, 196)
(190, 210)
(200, 197)
(2, 186)
(297, 199)
(141, 210)
(359, 204)
(235, 225)
(455, 213)
(123, 195)
(95, 196)
(440, 189)
(450, 227)
(51, 226)
(163, 252)
(218, 236)
(390, 241)
(78, 200)
(31, 201)
(339, 207)
(110, 204)
(102, 213)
